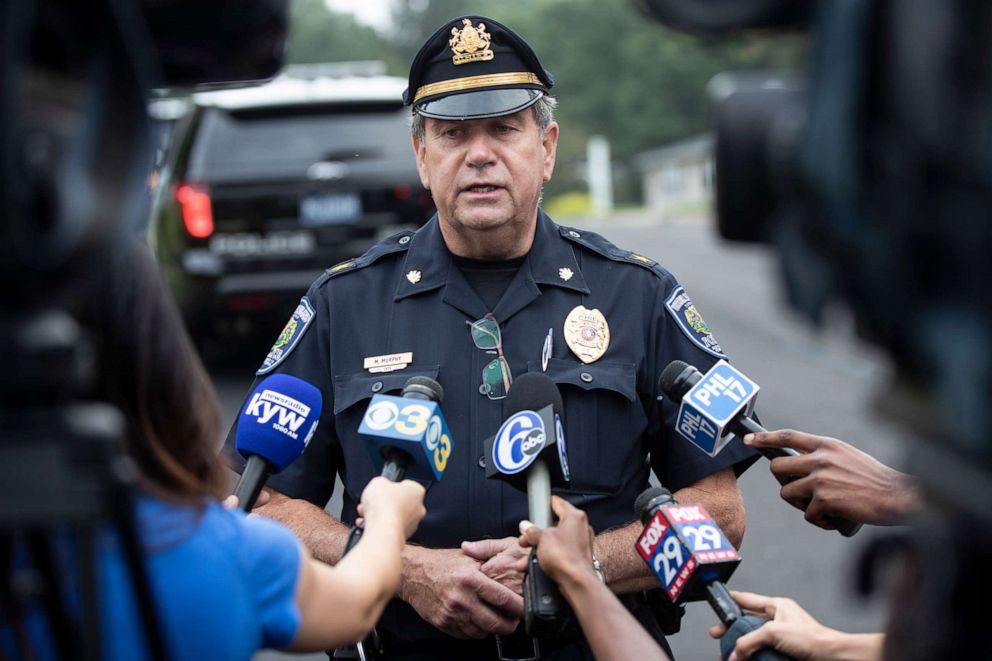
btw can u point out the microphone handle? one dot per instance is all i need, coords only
(727, 610)
(745, 425)
(393, 470)
(545, 609)
(746, 625)
(250, 483)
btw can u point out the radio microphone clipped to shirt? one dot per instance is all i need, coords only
(274, 429)
(717, 405)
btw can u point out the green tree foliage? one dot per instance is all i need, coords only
(619, 74)
(318, 34)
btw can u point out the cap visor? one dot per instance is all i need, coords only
(479, 105)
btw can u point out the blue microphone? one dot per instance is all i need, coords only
(716, 405)
(407, 436)
(274, 428)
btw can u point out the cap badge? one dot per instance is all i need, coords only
(470, 44)
(413, 276)
(587, 333)
(565, 274)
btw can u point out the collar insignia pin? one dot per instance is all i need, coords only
(565, 274)
(413, 276)
(587, 333)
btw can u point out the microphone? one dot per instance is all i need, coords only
(529, 452)
(716, 406)
(406, 436)
(692, 559)
(274, 429)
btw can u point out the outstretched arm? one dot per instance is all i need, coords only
(834, 479)
(794, 632)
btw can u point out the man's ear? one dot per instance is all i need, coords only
(550, 143)
(420, 154)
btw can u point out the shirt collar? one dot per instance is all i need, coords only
(551, 260)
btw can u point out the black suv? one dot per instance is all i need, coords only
(265, 187)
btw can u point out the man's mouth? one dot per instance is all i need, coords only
(481, 188)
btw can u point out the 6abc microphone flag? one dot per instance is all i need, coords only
(529, 453)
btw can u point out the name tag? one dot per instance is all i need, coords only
(388, 363)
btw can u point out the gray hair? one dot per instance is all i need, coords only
(544, 114)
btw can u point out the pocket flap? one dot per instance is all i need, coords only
(349, 389)
(618, 377)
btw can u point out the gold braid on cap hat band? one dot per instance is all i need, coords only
(475, 82)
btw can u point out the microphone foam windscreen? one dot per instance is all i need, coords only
(531, 392)
(278, 420)
(647, 496)
(669, 376)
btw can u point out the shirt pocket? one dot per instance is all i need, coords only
(603, 422)
(352, 393)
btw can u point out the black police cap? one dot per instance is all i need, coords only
(474, 67)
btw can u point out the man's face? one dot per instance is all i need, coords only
(486, 174)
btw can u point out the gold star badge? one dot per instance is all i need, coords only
(565, 274)
(413, 276)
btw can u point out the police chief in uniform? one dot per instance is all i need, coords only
(490, 288)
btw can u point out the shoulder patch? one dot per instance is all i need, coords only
(604, 247)
(691, 323)
(396, 243)
(289, 337)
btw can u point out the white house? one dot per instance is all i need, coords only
(677, 179)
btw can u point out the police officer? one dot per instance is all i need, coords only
(490, 288)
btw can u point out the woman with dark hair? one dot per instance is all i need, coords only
(224, 584)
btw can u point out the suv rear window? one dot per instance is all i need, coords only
(283, 142)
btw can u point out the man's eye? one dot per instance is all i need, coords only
(452, 133)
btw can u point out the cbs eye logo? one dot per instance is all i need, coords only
(518, 442)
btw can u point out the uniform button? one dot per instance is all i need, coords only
(484, 389)
(586, 377)
(377, 386)
(573, 234)
(404, 240)
(482, 461)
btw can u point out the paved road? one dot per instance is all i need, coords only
(819, 381)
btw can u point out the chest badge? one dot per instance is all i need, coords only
(587, 333)
(413, 276)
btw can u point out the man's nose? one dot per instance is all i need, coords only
(480, 150)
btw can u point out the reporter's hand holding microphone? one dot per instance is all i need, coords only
(792, 631)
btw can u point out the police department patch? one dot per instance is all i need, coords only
(289, 337)
(687, 317)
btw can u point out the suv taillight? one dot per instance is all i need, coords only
(197, 214)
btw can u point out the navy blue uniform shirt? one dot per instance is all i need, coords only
(406, 295)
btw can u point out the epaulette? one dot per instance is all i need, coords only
(600, 245)
(396, 243)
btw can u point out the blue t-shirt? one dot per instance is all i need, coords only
(224, 586)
